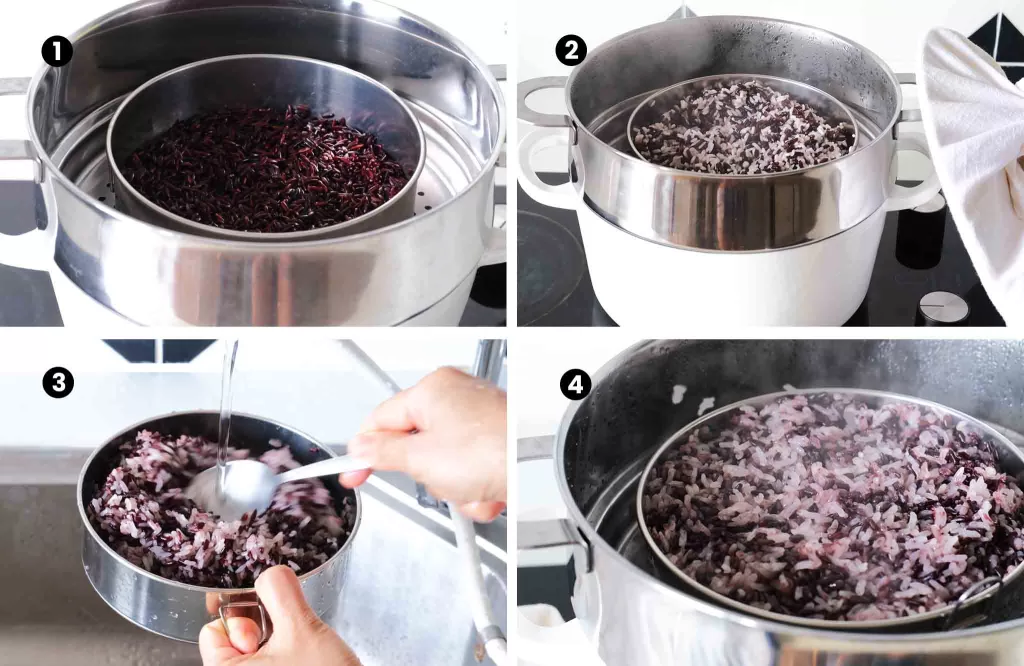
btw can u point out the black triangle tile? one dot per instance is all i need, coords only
(985, 36)
(1011, 42)
(134, 351)
(184, 351)
(1015, 74)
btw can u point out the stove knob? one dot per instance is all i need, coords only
(941, 308)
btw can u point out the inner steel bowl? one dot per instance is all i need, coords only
(179, 610)
(266, 80)
(655, 105)
(1009, 456)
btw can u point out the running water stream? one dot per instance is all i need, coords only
(224, 424)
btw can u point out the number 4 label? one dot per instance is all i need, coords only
(575, 384)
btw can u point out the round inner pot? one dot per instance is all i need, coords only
(179, 610)
(266, 81)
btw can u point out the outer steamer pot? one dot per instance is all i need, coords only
(729, 247)
(417, 271)
(630, 611)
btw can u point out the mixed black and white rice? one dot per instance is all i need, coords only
(142, 513)
(742, 128)
(823, 506)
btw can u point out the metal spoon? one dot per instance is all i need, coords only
(249, 485)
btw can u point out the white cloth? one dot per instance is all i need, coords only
(974, 119)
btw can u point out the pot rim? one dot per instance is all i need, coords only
(638, 576)
(52, 170)
(840, 625)
(288, 236)
(678, 173)
(91, 530)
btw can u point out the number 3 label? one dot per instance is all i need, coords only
(575, 384)
(571, 50)
(58, 382)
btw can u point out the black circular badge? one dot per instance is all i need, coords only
(57, 51)
(571, 50)
(575, 384)
(58, 382)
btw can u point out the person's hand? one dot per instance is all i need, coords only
(448, 433)
(299, 636)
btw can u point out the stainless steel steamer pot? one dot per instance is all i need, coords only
(793, 249)
(630, 612)
(270, 81)
(726, 212)
(154, 276)
(177, 610)
(1011, 457)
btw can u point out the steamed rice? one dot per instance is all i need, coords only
(142, 513)
(822, 506)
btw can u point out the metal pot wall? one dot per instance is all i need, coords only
(178, 610)
(718, 212)
(633, 613)
(155, 276)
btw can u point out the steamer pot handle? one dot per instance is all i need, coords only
(908, 115)
(551, 644)
(263, 625)
(555, 532)
(536, 118)
(556, 196)
(34, 249)
(902, 198)
(496, 251)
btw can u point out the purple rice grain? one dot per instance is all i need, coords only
(265, 170)
(142, 513)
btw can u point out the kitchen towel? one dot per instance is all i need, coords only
(974, 119)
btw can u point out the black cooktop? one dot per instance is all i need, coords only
(27, 297)
(919, 254)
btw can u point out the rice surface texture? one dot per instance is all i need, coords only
(142, 513)
(742, 129)
(824, 506)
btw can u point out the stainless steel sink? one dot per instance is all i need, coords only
(403, 600)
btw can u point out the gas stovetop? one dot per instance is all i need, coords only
(27, 297)
(919, 254)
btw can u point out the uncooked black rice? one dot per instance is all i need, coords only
(742, 128)
(142, 513)
(822, 506)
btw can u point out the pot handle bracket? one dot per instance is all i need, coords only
(263, 625)
(496, 250)
(551, 643)
(902, 198)
(555, 533)
(33, 249)
(556, 196)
